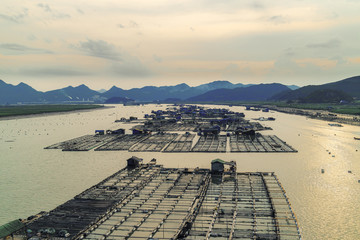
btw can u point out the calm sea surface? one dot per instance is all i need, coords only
(327, 205)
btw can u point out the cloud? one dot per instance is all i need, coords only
(256, 5)
(133, 24)
(45, 7)
(17, 49)
(53, 72)
(332, 43)
(278, 19)
(100, 49)
(17, 18)
(54, 14)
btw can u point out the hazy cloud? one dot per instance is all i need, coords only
(332, 43)
(99, 49)
(132, 68)
(17, 49)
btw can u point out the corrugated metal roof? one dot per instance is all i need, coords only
(10, 227)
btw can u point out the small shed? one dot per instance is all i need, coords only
(117, 131)
(134, 162)
(218, 165)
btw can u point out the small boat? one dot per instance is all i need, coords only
(335, 125)
(357, 138)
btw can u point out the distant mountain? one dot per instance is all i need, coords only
(259, 92)
(180, 91)
(117, 100)
(10, 94)
(70, 93)
(326, 96)
(293, 87)
(101, 90)
(207, 92)
(350, 86)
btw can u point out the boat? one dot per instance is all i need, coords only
(335, 125)
(357, 138)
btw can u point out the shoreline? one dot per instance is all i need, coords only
(318, 114)
(33, 115)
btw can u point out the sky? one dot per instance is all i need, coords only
(101, 43)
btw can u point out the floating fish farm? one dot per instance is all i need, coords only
(148, 201)
(217, 130)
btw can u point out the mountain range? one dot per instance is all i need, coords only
(261, 92)
(209, 92)
(346, 87)
(23, 93)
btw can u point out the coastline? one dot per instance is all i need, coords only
(318, 114)
(33, 115)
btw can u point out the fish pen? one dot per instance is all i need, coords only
(211, 143)
(123, 143)
(244, 206)
(154, 143)
(258, 143)
(182, 143)
(246, 125)
(153, 202)
(84, 143)
(171, 126)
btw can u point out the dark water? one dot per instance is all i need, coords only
(327, 205)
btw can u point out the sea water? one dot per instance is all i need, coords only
(321, 179)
